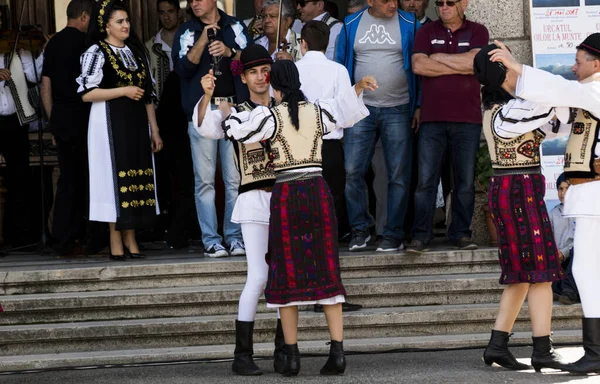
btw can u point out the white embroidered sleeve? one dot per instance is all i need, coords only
(545, 88)
(520, 116)
(92, 62)
(210, 127)
(250, 127)
(343, 111)
(28, 67)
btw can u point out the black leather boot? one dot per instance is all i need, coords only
(497, 352)
(544, 356)
(590, 362)
(292, 361)
(243, 364)
(279, 354)
(336, 363)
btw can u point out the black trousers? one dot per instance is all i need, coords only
(335, 175)
(14, 146)
(71, 204)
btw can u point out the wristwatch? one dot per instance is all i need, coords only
(233, 52)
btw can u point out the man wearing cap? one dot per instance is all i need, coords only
(582, 168)
(251, 208)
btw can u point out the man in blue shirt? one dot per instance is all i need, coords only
(379, 41)
(193, 56)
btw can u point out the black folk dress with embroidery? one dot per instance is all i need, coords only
(122, 181)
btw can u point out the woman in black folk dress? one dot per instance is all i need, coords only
(123, 132)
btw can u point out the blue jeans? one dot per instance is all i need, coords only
(204, 157)
(435, 140)
(393, 126)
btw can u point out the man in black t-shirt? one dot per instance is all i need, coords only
(68, 116)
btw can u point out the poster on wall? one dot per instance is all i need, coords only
(557, 27)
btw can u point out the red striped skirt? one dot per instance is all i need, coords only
(303, 255)
(526, 246)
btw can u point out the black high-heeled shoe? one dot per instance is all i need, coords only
(117, 257)
(134, 255)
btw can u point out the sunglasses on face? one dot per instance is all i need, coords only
(450, 3)
(302, 3)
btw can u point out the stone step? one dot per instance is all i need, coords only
(223, 299)
(205, 353)
(167, 270)
(215, 330)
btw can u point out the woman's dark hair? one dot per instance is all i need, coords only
(97, 33)
(491, 96)
(286, 79)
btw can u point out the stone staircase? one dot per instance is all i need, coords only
(182, 307)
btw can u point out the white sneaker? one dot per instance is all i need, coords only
(217, 250)
(237, 248)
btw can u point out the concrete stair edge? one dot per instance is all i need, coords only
(221, 352)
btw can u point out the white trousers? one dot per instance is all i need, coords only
(586, 263)
(256, 240)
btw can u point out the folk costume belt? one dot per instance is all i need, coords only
(297, 176)
(583, 180)
(517, 171)
(219, 100)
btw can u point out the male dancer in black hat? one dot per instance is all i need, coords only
(582, 168)
(251, 208)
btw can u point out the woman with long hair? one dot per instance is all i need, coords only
(303, 255)
(123, 132)
(526, 247)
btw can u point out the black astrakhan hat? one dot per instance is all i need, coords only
(255, 55)
(488, 73)
(591, 44)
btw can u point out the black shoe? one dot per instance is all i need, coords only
(390, 244)
(544, 355)
(117, 257)
(359, 240)
(590, 362)
(336, 363)
(243, 364)
(279, 356)
(569, 298)
(417, 246)
(497, 352)
(292, 362)
(346, 307)
(134, 255)
(465, 244)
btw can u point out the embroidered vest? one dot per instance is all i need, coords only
(518, 152)
(252, 161)
(301, 148)
(18, 89)
(159, 66)
(329, 20)
(581, 147)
